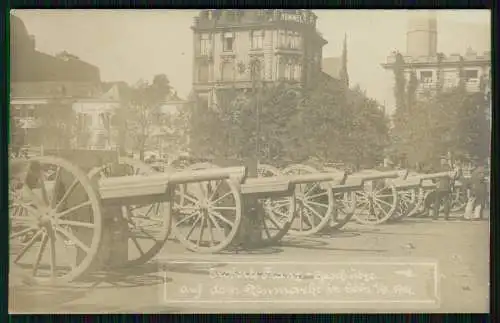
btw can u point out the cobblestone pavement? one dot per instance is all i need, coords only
(460, 250)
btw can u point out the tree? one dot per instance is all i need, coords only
(367, 132)
(57, 123)
(453, 121)
(344, 76)
(400, 83)
(229, 130)
(335, 124)
(411, 91)
(319, 127)
(141, 112)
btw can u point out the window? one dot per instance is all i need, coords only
(282, 39)
(227, 71)
(298, 72)
(281, 68)
(203, 72)
(228, 42)
(426, 76)
(256, 71)
(205, 44)
(257, 39)
(104, 120)
(29, 112)
(290, 40)
(471, 74)
(288, 71)
(297, 41)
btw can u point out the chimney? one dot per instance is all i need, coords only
(421, 36)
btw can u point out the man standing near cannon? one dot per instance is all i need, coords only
(479, 191)
(443, 191)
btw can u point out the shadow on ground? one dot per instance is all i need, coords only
(311, 243)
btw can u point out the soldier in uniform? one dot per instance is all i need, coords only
(443, 191)
(479, 191)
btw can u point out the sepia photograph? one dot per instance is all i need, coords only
(249, 161)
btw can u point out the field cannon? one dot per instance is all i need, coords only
(272, 198)
(65, 224)
(377, 198)
(459, 192)
(330, 205)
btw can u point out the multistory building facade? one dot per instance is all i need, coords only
(235, 48)
(434, 69)
(38, 80)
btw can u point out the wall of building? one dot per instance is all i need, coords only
(211, 24)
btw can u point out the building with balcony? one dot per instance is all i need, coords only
(436, 70)
(233, 48)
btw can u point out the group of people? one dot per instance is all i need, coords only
(476, 187)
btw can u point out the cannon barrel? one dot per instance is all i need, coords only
(279, 185)
(406, 183)
(434, 176)
(156, 185)
(284, 185)
(317, 177)
(376, 176)
(237, 174)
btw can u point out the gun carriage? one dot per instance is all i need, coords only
(270, 198)
(67, 221)
(459, 192)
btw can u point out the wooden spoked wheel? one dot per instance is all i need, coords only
(344, 205)
(55, 220)
(278, 212)
(207, 215)
(459, 198)
(149, 224)
(407, 200)
(419, 206)
(181, 189)
(314, 203)
(376, 202)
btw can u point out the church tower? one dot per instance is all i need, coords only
(421, 35)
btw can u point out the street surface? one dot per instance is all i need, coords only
(460, 249)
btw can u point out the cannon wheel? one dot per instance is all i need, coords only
(418, 208)
(459, 199)
(407, 203)
(314, 203)
(278, 214)
(149, 225)
(55, 220)
(345, 205)
(376, 202)
(206, 209)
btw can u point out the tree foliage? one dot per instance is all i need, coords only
(140, 112)
(57, 124)
(230, 128)
(451, 121)
(327, 122)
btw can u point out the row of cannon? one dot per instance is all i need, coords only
(69, 221)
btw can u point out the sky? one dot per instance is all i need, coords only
(129, 45)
